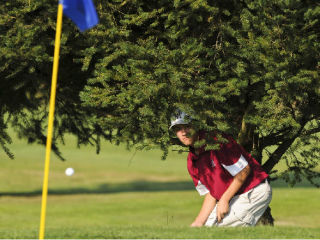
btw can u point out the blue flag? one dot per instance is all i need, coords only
(81, 12)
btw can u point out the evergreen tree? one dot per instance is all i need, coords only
(248, 68)
(27, 42)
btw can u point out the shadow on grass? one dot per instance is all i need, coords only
(136, 186)
(280, 183)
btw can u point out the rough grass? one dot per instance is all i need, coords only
(113, 195)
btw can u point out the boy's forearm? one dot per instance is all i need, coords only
(236, 184)
(238, 180)
(208, 205)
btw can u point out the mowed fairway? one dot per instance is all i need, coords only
(122, 194)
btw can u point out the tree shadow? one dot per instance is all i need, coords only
(304, 183)
(136, 186)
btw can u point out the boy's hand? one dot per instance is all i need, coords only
(196, 224)
(222, 209)
(238, 180)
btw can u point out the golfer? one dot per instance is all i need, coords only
(234, 184)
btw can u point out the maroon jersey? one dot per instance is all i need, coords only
(213, 171)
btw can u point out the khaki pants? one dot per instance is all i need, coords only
(244, 209)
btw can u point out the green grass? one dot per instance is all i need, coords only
(167, 232)
(112, 195)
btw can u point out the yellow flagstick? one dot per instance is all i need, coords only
(50, 122)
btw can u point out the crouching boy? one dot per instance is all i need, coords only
(234, 184)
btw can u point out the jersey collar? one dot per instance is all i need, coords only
(201, 150)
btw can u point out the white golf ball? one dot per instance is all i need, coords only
(69, 171)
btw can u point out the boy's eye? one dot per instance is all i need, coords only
(182, 127)
(177, 128)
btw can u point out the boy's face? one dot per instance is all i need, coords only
(185, 133)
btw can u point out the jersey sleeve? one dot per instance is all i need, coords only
(202, 189)
(231, 157)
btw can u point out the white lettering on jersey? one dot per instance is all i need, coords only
(237, 167)
(212, 163)
(202, 189)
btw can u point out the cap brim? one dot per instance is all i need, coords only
(178, 122)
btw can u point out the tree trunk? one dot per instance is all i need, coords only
(249, 140)
(245, 136)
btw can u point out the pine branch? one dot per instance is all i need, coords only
(275, 157)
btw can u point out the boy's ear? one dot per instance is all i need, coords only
(191, 132)
(174, 129)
